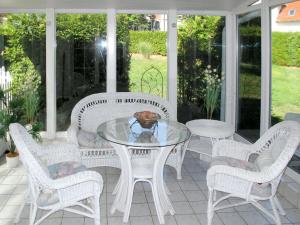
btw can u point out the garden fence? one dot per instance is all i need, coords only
(5, 84)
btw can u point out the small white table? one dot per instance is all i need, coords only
(211, 131)
(155, 144)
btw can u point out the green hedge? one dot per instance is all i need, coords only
(286, 48)
(157, 39)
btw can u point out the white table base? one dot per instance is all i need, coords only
(125, 185)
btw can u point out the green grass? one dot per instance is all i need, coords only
(285, 90)
(139, 65)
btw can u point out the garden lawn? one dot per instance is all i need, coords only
(285, 90)
(139, 64)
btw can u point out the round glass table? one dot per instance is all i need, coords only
(143, 153)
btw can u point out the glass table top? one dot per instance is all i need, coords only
(128, 131)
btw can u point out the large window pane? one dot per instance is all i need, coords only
(141, 53)
(201, 66)
(285, 78)
(249, 77)
(80, 61)
(23, 63)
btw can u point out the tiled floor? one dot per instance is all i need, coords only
(189, 198)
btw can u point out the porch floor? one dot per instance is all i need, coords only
(188, 196)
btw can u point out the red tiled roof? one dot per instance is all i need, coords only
(284, 16)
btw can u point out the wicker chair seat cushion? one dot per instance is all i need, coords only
(91, 140)
(228, 161)
(268, 156)
(261, 190)
(63, 169)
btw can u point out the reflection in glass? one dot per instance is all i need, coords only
(81, 61)
(249, 78)
(201, 48)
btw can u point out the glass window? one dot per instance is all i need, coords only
(285, 76)
(201, 66)
(142, 53)
(23, 66)
(249, 76)
(80, 61)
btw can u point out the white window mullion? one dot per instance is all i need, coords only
(231, 69)
(172, 58)
(51, 72)
(111, 65)
(265, 67)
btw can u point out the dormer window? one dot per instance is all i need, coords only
(292, 12)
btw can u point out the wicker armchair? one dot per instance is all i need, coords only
(252, 172)
(64, 192)
(95, 109)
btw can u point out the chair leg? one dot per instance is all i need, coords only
(129, 202)
(210, 210)
(33, 211)
(275, 212)
(279, 206)
(96, 211)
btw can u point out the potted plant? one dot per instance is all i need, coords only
(212, 91)
(12, 156)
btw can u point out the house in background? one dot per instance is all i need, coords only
(286, 18)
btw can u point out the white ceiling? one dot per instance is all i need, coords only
(227, 5)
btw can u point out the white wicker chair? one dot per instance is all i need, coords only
(95, 109)
(272, 151)
(56, 194)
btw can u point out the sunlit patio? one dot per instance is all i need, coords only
(189, 197)
(149, 112)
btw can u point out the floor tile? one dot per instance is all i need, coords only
(293, 215)
(194, 196)
(231, 219)
(199, 207)
(169, 220)
(72, 221)
(253, 218)
(203, 219)
(186, 220)
(12, 180)
(182, 208)
(140, 210)
(177, 196)
(7, 189)
(139, 197)
(116, 221)
(143, 220)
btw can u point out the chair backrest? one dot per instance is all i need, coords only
(277, 146)
(95, 109)
(29, 152)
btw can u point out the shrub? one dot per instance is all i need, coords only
(145, 48)
(157, 39)
(286, 48)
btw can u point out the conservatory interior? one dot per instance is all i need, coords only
(149, 112)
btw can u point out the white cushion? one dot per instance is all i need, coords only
(63, 169)
(264, 159)
(232, 162)
(91, 140)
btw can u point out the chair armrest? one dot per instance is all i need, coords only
(56, 153)
(76, 179)
(72, 134)
(232, 149)
(246, 175)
